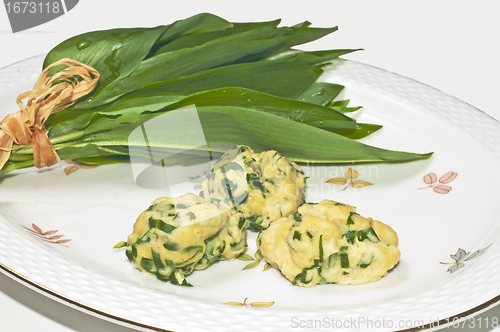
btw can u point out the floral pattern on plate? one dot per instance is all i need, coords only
(348, 180)
(48, 236)
(252, 304)
(462, 256)
(439, 186)
(255, 261)
(75, 166)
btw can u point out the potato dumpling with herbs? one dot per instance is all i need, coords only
(263, 186)
(175, 236)
(329, 242)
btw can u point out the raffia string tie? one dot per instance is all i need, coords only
(49, 95)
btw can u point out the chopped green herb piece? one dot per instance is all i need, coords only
(152, 222)
(199, 248)
(241, 222)
(321, 248)
(173, 280)
(296, 170)
(120, 245)
(368, 234)
(349, 219)
(255, 227)
(270, 181)
(332, 259)
(212, 237)
(297, 217)
(130, 256)
(144, 239)
(350, 236)
(255, 183)
(162, 277)
(161, 225)
(297, 235)
(157, 260)
(148, 265)
(305, 277)
(171, 246)
(185, 283)
(241, 198)
(344, 258)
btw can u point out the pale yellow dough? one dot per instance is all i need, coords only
(262, 186)
(329, 242)
(175, 236)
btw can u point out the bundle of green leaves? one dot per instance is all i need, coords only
(249, 86)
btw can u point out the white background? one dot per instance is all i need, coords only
(452, 45)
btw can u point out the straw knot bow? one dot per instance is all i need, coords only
(49, 95)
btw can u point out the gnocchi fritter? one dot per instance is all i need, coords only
(329, 242)
(262, 186)
(175, 236)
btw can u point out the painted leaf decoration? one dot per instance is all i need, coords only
(455, 267)
(360, 184)
(442, 189)
(70, 169)
(37, 231)
(245, 257)
(261, 304)
(267, 267)
(340, 181)
(459, 255)
(88, 166)
(258, 255)
(36, 228)
(430, 178)
(236, 304)
(477, 253)
(351, 174)
(448, 177)
(251, 265)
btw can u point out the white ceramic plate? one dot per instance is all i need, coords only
(57, 231)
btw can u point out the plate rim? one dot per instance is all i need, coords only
(50, 293)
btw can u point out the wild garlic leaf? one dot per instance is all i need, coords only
(115, 54)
